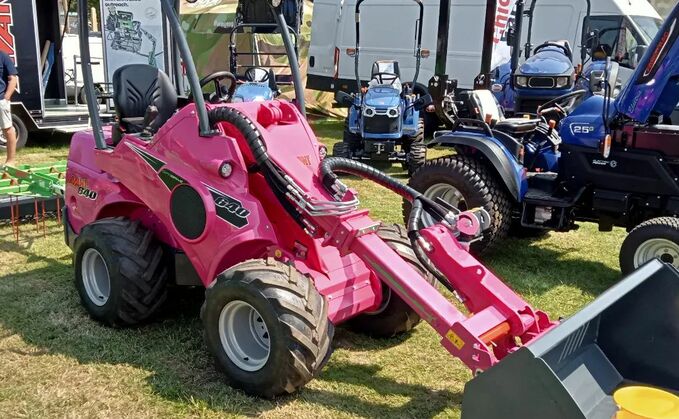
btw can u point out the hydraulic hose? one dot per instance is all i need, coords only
(419, 202)
(256, 144)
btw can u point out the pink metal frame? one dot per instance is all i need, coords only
(346, 259)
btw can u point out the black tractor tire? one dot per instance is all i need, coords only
(416, 151)
(21, 132)
(479, 188)
(341, 149)
(642, 236)
(98, 90)
(294, 314)
(395, 316)
(354, 141)
(136, 267)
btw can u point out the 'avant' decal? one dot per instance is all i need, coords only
(228, 208)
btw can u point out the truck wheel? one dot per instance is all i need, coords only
(394, 316)
(120, 272)
(465, 183)
(655, 238)
(267, 327)
(341, 149)
(21, 131)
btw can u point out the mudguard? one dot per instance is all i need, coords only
(512, 173)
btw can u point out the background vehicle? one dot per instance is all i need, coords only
(297, 256)
(383, 123)
(611, 162)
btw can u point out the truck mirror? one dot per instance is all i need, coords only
(422, 102)
(637, 55)
(511, 35)
(344, 99)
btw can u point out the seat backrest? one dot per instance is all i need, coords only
(385, 66)
(138, 86)
(487, 104)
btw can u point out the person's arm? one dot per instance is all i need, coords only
(11, 86)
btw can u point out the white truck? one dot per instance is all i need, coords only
(330, 68)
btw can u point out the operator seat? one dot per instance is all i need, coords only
(484, 103)
(144, 99)
(385, 66)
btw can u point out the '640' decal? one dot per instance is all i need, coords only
(87, 193)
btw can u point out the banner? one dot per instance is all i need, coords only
(504, 16)
(133, 34)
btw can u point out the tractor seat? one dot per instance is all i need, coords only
(385, 66)
(484, 103)
(144, 99)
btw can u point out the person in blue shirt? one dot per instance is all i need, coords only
(8, 84)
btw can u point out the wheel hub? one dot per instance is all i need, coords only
(663, 249)
(449, 194)
(96, 279)
(244, 336)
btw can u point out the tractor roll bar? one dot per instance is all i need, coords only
(292, 58)
(418, 50)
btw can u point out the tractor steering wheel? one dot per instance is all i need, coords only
(222, 93)
(385, 78)
(562, 104)
(566, 51)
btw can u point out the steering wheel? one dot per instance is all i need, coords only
(566, 51)
(562, 104)
(222, 93)
(385, 78)
(257, 74)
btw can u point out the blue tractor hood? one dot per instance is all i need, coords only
(549, 62)
(382, 97)
(654, 86)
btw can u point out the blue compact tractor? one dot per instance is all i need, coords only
(384, 122)
(609, 161)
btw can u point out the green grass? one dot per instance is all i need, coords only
(56, 362)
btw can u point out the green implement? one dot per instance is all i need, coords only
(40, 180)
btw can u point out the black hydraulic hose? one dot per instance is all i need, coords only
(256, 144)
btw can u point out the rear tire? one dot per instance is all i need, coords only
(21, 132)
(657, 237)
(394, 316)
(120, 272)
(473, 186)
(292, 333)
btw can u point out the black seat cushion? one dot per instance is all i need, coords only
(136, 87)
(517, 126)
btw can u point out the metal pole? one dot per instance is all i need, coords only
(518, 28)
(176, 29)
(482, 81)
(88, 80)
(442, 39)
(293, 60)
(529, 45)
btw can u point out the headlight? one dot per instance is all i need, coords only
(369, 112)
(563, 82)
(392, 113)
(521, 81)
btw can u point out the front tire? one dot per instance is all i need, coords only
(465, 183)
(120, 272)
(655, 238)
(416, 151)
(394, 316)
(267, 327)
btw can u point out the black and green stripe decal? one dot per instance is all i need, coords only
(170, 179)
(152, 161)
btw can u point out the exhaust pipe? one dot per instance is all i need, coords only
(629, 335)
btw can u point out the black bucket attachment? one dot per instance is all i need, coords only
(629, 335)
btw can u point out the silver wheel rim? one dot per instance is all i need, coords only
(244, 336)
(663, 249)
(95, 276)
(447, 193)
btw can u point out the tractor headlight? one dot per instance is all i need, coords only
(369, 112)
(521, 81)
(563, 82)
(392, 113)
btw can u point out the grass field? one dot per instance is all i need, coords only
(56, 362)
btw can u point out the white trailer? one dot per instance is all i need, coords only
(389, 33)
